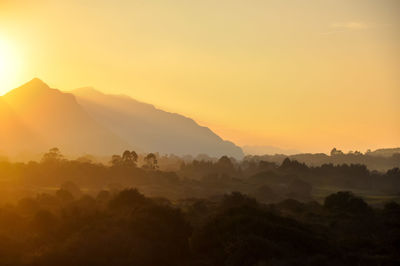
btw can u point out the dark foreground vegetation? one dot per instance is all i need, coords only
(204, 212)
(127, 228)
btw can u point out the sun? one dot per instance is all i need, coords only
(9, 62)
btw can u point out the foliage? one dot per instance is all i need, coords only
(207, 212)
(128, 228)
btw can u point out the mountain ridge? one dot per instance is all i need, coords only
(59, 120)
(89, 121)
(119, 111)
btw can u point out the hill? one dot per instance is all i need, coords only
(384, 152)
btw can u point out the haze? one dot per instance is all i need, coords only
(293, 74)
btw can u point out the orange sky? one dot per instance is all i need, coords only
(307, 75)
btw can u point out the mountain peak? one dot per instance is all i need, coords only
(35, 83)
(36, 79)
(32, 87)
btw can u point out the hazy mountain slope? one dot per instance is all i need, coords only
(151, 129)
(15, 136)
(59, 120)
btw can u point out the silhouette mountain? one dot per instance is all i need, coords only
(15, 136)
(35, 117)
(147, 128)
(37, 112)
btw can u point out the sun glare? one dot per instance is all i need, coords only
(8, 66)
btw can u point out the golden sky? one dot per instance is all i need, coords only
(307, 75)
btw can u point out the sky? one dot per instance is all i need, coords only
(304, 75)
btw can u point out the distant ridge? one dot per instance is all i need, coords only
(387, 152)
(150, 129)
(270, 150)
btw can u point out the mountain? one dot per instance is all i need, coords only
(43, 118)
(147, 128)
(35, 117)
(15, 136)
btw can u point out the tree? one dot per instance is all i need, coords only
(150, 161)
(72, 188)
(134, 156)
(293, 166)
(129, 158)
(225, 161)
(346, 202)
(52, 156)
(116, 160)
(335, 152)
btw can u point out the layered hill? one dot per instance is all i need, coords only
(150, 129)
(384, 152)
(35, 117)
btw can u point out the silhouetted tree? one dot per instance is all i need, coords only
(128, 198)
(150, 161)
(72, 188)
(52, 156)
(335, 152)
(129, 158)
(116, 160)
(346, 202)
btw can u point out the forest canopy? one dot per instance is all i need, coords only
(147, 209)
